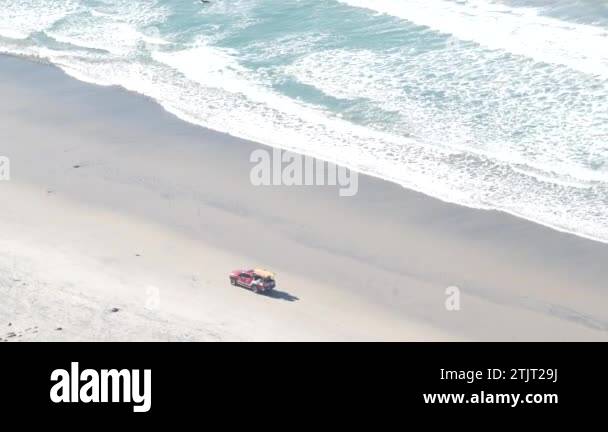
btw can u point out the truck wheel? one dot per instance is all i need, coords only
(233, 281)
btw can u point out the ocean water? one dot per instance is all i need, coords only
(489, 104)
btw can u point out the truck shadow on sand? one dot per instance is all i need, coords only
(281, 295)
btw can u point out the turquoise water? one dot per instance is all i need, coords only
(490, 104)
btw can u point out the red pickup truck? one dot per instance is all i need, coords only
(257, 280)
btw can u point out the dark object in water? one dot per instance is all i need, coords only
(114, 309)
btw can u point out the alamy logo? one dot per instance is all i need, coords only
(91, 386)
(5, 168)
(452, 301)
(300, 171)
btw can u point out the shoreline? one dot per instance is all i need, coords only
(371, 173)
(382, 260)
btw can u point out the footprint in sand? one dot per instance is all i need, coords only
(16, 335)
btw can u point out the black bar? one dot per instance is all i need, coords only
(219, 378)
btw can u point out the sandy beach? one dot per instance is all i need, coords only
(122, 222)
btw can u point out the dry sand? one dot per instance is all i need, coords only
(121, 222)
